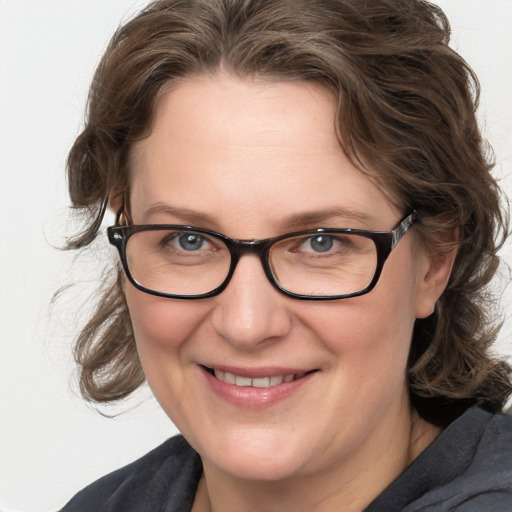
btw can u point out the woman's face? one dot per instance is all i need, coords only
(253, 161)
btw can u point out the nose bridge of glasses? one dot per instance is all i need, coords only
(259, 248)
(253, 246)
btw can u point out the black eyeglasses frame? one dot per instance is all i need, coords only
(385, 242)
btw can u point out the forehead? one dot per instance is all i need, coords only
(253, 151)
(244, 111)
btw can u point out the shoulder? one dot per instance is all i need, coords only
(486, 483)
(165, 478)
(473, 462)
(468, 468)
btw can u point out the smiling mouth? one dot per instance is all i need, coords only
(257, 382)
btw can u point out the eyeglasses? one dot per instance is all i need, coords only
(184, 262)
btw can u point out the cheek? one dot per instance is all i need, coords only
(369, 336)
(161, 326)
(365, 324)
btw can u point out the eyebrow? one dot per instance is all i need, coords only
(183, 214)
(296, 221)
(317, 217)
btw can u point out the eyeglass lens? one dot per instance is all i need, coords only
(187, 263)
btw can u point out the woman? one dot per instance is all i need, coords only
(306, 224)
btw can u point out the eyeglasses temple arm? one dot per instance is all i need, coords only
(402, 228)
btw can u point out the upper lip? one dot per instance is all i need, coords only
(257, 372)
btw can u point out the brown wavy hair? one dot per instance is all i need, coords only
(406, 107)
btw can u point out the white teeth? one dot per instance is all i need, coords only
(261, 383)
(258, 382)
(275, 381)
(243, 381)
(229, 377)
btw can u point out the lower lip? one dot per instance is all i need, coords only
(250, 397)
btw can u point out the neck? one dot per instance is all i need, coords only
(350, 486)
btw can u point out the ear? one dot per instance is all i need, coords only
(433, 274)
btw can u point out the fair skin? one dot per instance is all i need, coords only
(256, 160)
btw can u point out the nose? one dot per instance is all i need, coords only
(250, 311)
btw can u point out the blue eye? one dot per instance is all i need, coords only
(321, 243)
(190, 241)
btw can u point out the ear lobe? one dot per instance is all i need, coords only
(434, 274)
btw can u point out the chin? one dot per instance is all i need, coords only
(261, 457)
(262, 468)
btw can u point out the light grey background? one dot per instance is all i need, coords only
(51, 443)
